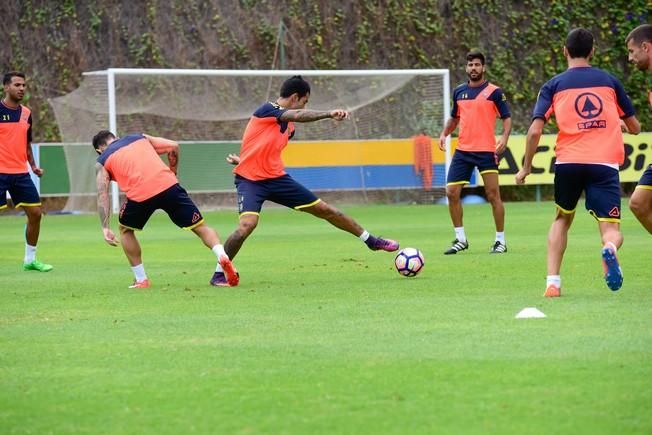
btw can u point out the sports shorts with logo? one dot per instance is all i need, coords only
(600, 184)
(21, 188)
(464, 162)
(646, 179)
(282, 190)
(173, 200)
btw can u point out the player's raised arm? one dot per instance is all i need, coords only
(103, 204)
(163, 146)
(306, 115)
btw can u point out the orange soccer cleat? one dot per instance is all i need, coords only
(228, 278)
(552, 291)
(140, 284)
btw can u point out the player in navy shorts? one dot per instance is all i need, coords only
(639, 47)
(283, 190)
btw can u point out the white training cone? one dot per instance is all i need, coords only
(530, 313)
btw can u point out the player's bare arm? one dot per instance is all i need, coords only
(450, 127)
(173, 160)
(32, 163)
(531, 143)
(631, 125)
(166, 146)
(501, 143)
(103, 204)
(305, 115)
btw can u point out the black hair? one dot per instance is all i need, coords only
(641, 34)
(101, 138)
(8, 76)
(475, 55)
(295, 85)
(579, 43)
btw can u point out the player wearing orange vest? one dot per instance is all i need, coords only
(260, 174)
(476, 104)
(588, 105)
(639, 46)
(15, 154)
(133, 162)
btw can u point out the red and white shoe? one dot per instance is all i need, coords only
(140, 284)
(232, 276)
(552, 291)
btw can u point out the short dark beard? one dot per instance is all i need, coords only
(478, 80)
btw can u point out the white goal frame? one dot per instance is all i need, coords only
(111, 73)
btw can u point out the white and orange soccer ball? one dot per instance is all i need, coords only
(409, 262)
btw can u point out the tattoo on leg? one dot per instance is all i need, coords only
(233, 244)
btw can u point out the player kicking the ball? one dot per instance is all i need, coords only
(260, 173)
(588, 105)
(133, 162)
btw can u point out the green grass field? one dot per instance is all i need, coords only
(322, 335)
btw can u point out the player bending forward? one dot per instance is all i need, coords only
(260, 173)
(133, 162)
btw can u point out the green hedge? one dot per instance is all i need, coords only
(54, 42)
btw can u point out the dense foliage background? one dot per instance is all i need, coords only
(54, 42)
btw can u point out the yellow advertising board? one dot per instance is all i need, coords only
(638, 156)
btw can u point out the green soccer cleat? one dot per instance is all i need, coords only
(37, 265)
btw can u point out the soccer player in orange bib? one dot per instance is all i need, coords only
(639, 46)
(588, 105)
(476, 104)
(260, 173)
(15, 153)
(133, 162)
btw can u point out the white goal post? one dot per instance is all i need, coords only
(153, 99)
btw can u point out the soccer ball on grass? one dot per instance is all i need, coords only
(409, 262)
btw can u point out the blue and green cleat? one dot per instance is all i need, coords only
(38, 266)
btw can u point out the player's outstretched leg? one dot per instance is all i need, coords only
(380, 244)
(340, 220)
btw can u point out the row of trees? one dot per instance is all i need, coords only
(54, 42)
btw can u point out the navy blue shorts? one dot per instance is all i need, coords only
(283, 190)
(174, 201)
(21, 188)
(646, 179)
(600, 183)
(464, 162)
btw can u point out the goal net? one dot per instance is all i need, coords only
(207, 111)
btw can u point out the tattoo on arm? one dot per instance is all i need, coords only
(103, 203)
(303, 115)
